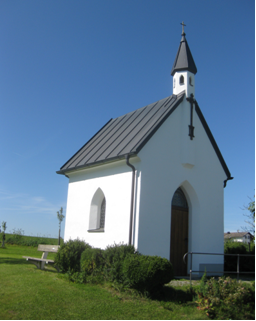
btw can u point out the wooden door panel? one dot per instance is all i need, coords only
(179, 240)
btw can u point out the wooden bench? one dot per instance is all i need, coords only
(40, 263)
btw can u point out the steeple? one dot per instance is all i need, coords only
(184, 59)
(184, 68)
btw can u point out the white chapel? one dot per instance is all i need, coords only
(153, 178)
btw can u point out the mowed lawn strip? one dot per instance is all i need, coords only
(29, 293)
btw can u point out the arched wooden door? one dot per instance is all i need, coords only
(179, 233)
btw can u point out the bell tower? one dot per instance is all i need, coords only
(184, 68)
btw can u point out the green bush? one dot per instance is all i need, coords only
(92, 260)
(114, 256)
(25, 241)
(246, 263)
(225, 298)
(146, 273)
(117, 263)
(16, 237)
(76, 277)
(234, 248)
(69, 254)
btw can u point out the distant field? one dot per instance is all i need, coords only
(30, 240)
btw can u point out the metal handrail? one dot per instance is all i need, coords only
(223, 254)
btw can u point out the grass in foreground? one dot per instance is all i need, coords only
(29, 293)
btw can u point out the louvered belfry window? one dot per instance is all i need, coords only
(179, 199)
(102, 213)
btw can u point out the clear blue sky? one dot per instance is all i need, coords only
(67, 67)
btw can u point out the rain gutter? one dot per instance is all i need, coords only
(228, 179)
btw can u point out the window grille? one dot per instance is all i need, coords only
(179, 199)
(102, 213)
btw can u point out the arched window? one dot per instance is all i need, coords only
(190, 81)
(179, 199)
(97, 212)
(174, 82)
(181, 80)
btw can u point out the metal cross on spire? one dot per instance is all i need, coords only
(183, 24)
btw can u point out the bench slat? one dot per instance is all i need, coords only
(37, 259)
(48, 248)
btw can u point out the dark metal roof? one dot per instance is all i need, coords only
(184, 59)
(123, 135)
(129, 133)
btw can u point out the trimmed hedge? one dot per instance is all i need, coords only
(69, 254)
(114, 256)
(92, 260)
(146, 273)
(118, 263)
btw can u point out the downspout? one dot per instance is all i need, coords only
(132, 196)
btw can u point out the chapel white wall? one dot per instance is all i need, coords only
(171, 160)
(115, 182)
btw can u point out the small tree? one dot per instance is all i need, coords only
(250, 217)
(60, 217)
(4, 227)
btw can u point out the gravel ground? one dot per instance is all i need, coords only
(182, 283)
(195, 282)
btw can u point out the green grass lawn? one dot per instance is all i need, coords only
(29, 293)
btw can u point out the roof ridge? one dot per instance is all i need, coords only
(140, 144)
(168, 99)
(137, 110)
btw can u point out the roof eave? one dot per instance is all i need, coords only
(95, 164)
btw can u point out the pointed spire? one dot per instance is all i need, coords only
(184, 59)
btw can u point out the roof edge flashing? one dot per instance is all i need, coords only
(213, 142)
